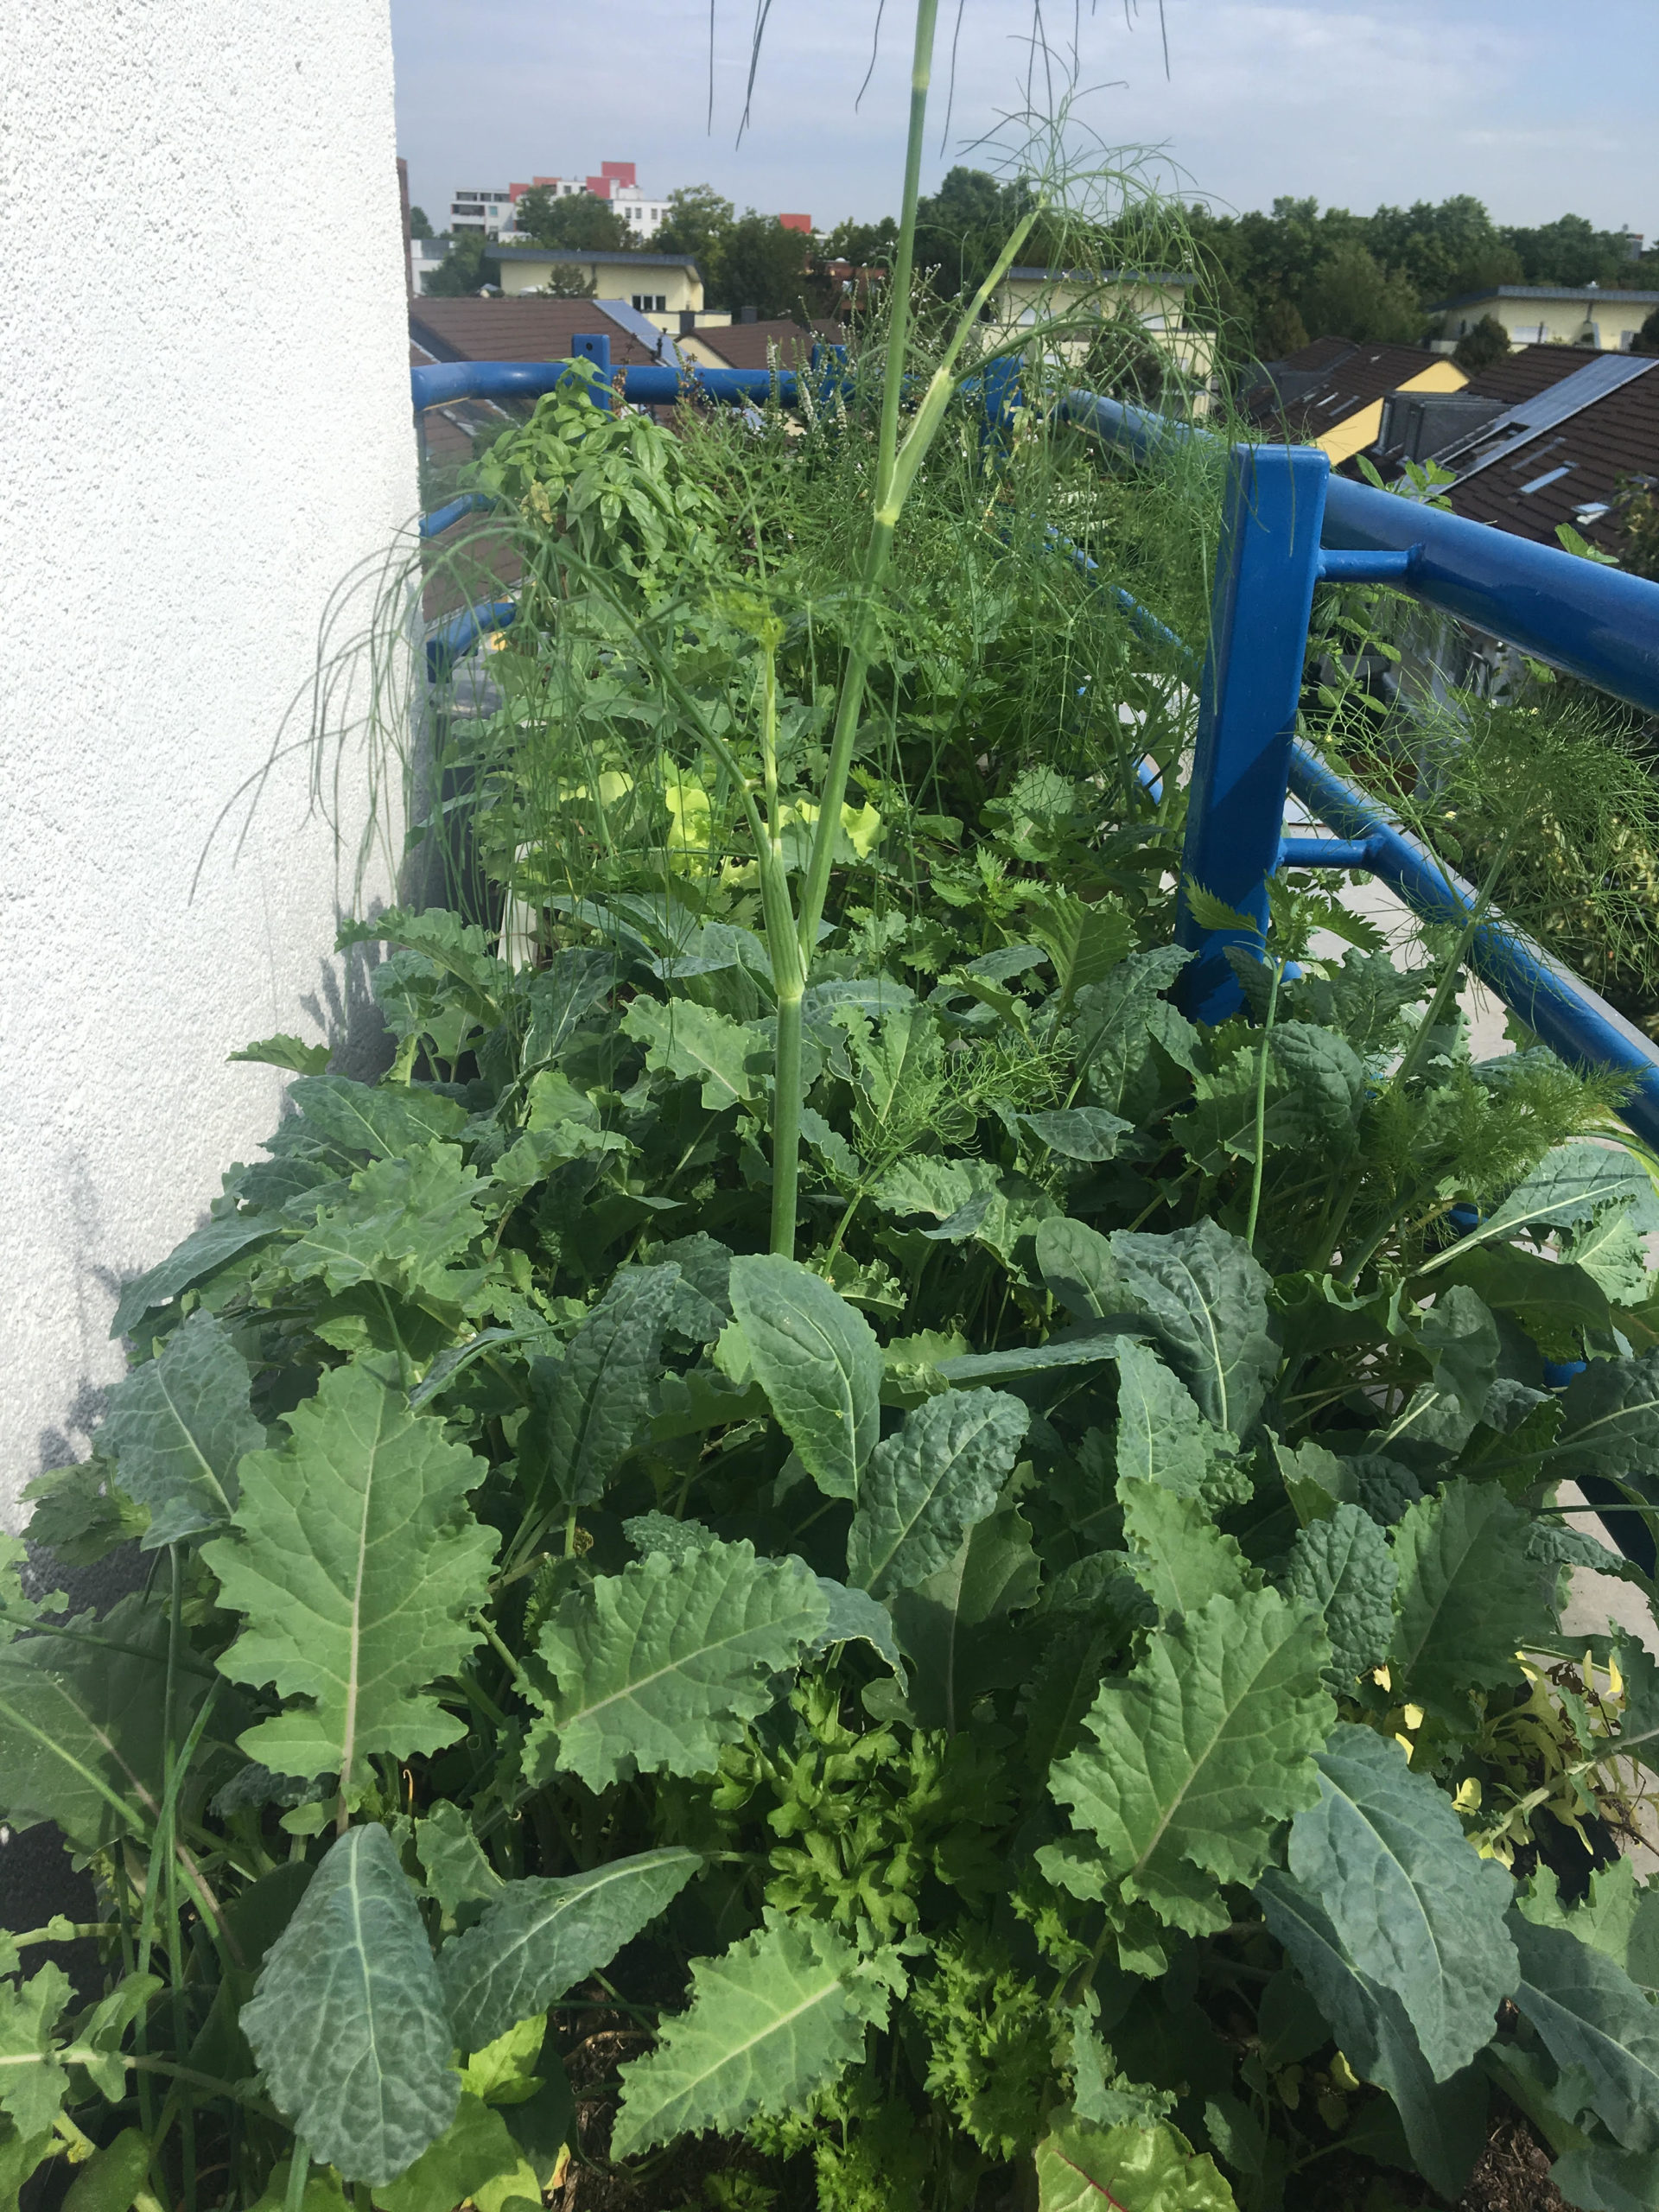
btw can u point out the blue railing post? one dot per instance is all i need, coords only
(595, 346)
(1266, 567)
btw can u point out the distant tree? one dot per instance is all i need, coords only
(419, 226)
(578, 218)
(1352, 297)
(1281, 331)
(565, 281)
(1647, 338)
(698, 222)
(762, 266)
(960, 228)
(1447, 250)
(866, 246)
(470, 263)
(1570, 251)
(1479, 348)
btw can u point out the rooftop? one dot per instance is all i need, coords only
(1311, 391)
(1591, 292)
(518, 329)
(639, 257)
(1569, 469)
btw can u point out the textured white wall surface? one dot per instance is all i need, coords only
(205, 434)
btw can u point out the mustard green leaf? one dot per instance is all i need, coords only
(541, 1935)
(347, 2018)
(941, 1623)
(474, 2150)
(1610, 1423)
(692, 1042)
(1177, 1553)
(1161, 1435)
(1413, 1906)
(1189, 1764)
(926, 1485)
(1569, 1186)
(1619, 1917)
(1078, 1132)
(655, 1667)
(1132, 2168)
(285, 1051)
(457, 1872)
(403, 1223)
(176, 1428)
(816, 1358)
(32, 2083)
(362, 1117)
(357, 1569)
(774, 2021)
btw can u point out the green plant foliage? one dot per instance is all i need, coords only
(1081, 2167)
(347, 2020)
(176, 1428)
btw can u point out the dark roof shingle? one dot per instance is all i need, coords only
(1579, 462)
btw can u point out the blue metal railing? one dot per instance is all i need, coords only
(1289, 526)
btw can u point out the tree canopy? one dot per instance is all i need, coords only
(576, 219)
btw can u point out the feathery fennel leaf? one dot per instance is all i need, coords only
(356, 1567)
(347, 2020)
(656, 1667)
(769, 2025)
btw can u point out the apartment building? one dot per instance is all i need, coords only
(1547, 315)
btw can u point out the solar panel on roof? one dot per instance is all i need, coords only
(1555, 404)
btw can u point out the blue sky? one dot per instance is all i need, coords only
(1534, 106)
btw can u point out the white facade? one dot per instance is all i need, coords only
(490, 211)
(642, 212)
(191, 469)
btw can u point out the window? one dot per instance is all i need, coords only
(1549, 476)
(650, 303)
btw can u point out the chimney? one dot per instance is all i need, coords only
(797, 223)
(688, 322)
(748, 314)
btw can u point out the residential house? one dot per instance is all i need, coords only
(1548, 315)
(754, 343)
(661, 285)
(1330, 394)
(1156, 302)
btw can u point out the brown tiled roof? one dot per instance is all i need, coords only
(1523, 374)
(1309, 396)
(515, 330)
(750, 345)
(1612, 438)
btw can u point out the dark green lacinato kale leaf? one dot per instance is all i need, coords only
(357, 1571)
(1343, 1565)
(589, 1409)
(225, 1236)
(1189, 1765)
(1206, 1299)
(1569, 1186)
(1118, 1020)
(177, 1425)
(1469, 1596)
(656, 1667)
(347, 2018)
(769, 2025)
(540, 1936)
(817, 1360)
(1414, 1909)
(944, 1624)
(1444, 2122)
(558, 995)
(1589, 2014)
(925, 1486)
(1459, 1338)
(1610, 1423)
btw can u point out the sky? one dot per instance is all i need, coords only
(1535, 107)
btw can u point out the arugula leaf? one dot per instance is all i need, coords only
(925, 1487)
(656, 1666)
(357, 1569)
(598, 1399)
(1468, 1597)
(1444, 2122)
(224, 1238)
(1206, 1297)
(818, 1360)
(32, 2082)
(1414, 1907)
(177, 1425)
(346, 2019)
(1342, 1566)
(1591, 2014)
(360, 1117)
(1131, 2168)
(540, 1936)
(771, 2024)
(1191, 1762)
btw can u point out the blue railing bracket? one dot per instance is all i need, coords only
(1389, 568)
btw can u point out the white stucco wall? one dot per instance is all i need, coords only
(206, 430)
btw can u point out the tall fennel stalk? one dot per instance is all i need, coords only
(792, 935)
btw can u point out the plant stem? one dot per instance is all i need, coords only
(1261, 1106)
